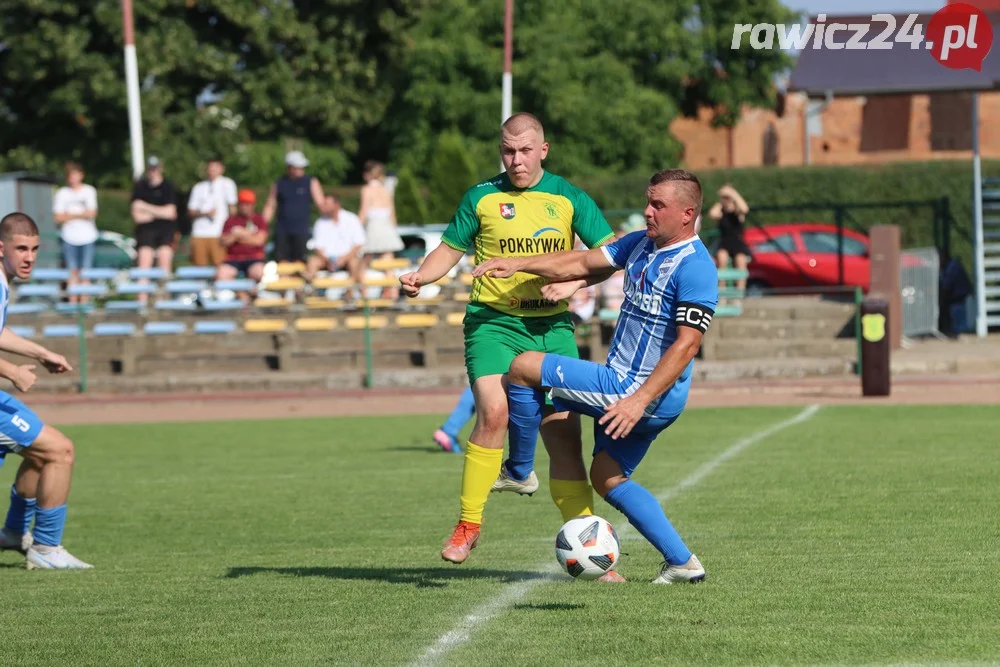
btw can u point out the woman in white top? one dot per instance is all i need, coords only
(75, 211)
(378, 213)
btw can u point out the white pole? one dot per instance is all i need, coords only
(132, 88)
(508, 57)
(977, 193)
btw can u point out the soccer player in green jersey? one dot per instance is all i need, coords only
(523, 211)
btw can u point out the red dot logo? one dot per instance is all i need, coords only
(960, 36)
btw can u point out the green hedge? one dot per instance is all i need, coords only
(762, 187)
(810, 186)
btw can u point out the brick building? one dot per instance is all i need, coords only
(857, 128)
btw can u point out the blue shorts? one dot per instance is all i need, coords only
(78, 256)
(19, 426)
(587, 388)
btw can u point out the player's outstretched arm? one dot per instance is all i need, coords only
(556, 266)
(622, 416)
(11, 342)
(440, 261)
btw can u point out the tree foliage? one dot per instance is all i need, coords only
(358, 79)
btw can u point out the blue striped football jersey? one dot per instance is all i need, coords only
(665, 288)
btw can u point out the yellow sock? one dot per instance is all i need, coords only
(573, 497)
(482, 466)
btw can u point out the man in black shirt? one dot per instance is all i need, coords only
(154, 210)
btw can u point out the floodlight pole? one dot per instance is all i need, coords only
(977, 194)
(508, 58)
(132, 87)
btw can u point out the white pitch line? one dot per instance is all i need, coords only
(515, 592)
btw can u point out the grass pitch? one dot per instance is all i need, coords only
(862, 535)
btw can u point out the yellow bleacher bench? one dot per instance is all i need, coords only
(456, 319)
(317, 302)
(377, 303)
(390, 264)
(272, 303)
(290, 268)
(467, 278)
(282, 284)
(381, 281)
(332, 283)
(462, 296)
(413, 320)
(264, 326)
(374, 322)
(315, 324)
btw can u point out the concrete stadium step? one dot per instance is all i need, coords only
(732, 350)
(758, 369)
(747, 328)
(797, 308)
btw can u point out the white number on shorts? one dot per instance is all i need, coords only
(20, 423)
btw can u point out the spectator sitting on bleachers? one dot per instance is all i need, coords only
(244, 236)
(75, 209)
(338, 241)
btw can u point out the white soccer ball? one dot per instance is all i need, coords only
(587, 547)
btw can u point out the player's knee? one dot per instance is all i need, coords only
(526, 368)
(493, 416)
(52, 447)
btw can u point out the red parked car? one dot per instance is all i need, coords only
(804, 254)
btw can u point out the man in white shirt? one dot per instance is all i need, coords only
(75, 211)
(211, 203)
(338, 241)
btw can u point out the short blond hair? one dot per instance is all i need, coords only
(520, 123)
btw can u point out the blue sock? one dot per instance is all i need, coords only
(20, 514)
(644, 512)
(461, 414)
(49, 524)
(525, 408)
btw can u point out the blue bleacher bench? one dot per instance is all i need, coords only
(149, 274)
(215, 304)
(175, 304)
(185, 286)
(196, 272)
(99, 274)
(50, 275)
(87, 290)
(122, 305)
(66, 308)
(215, 326)
(164, 328)
(45, 290)
(60, 330)
(26, 308)
(241, 285)
(114, 329)
(135, 288)
(23, 332)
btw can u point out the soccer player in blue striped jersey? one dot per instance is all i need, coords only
(41, 486)
(671, 291)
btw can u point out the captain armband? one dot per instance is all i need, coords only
(693, 315)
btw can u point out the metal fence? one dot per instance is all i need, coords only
(919, 272)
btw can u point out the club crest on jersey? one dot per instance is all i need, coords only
(507, 211)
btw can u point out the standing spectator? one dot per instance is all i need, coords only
(378, 211)
(75, 211)
(154, 210)
(211, 203)
(731, 212)
(243, 236)
(954, 287)
(292, 197)
(338, 241)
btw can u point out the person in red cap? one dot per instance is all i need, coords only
(243, 237)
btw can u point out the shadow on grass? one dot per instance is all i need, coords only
(421, 577)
